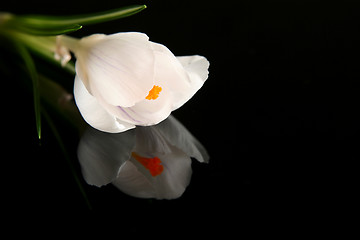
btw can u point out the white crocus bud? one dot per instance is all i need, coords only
(123, 80)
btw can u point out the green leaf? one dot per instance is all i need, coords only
(29, 63)
(54, 25)
(47, 31)
(25, 24)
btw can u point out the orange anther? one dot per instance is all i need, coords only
(154, 93)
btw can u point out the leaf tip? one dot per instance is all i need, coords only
(38, 130)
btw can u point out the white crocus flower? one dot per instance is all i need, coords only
(123, 80)
(147, 162)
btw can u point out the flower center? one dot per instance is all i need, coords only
(154, 93)
(151, 164)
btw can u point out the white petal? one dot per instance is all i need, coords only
(146, 112)
(184, 75)
(150, 112)
(102, 154)
(197, 70)
(119, 67)
(93, 113)
(177, 135)
(168, 69)
(196, 65)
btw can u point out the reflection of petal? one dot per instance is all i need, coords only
(127, 159)
(175, 177)
(178, 136)
(136, 181)
(151, 140)
(133, 183)
(102, 154)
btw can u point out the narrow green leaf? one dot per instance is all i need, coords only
(55, 24)
(29, 63)
(47, 31)
(33, 26)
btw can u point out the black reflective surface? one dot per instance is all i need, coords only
(279, 113)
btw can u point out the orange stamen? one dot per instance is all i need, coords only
(154, 93)
(151, 164)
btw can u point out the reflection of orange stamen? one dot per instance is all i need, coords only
(151, 164)
(154, 93)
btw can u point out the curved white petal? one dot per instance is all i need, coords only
(197, 70)
(144, 113)
(177, 135)
(184, 75)
(119, 67)
(168, 69)
(195, 65)
(102, 154)
(93, 113)
(150, 112)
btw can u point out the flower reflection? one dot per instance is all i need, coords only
(145, 162)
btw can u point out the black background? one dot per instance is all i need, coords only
(279, 115)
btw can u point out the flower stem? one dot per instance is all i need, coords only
(43, 46)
